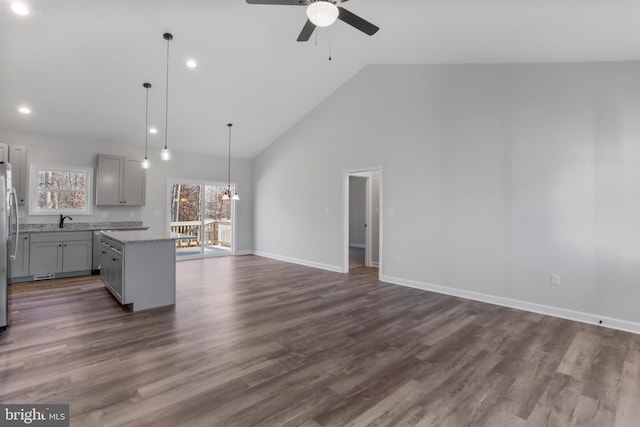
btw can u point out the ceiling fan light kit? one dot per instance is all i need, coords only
(322, 13)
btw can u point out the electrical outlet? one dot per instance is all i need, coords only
(555, 279)
(131, 214)
(314, 247)
(104, 214)
(20, 214)
(397, 257)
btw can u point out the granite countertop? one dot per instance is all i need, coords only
(144, 236)
(82, 226)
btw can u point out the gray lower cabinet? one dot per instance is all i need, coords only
(111, 269)
(46, 258)
(63, 252)
(77, 255)
(20, 265)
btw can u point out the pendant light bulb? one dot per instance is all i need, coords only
(145, 162)
(165, 154)
(225, 195)
(235, 195)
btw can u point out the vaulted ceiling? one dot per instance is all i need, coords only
(80, 64)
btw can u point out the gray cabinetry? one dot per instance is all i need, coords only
(111, 270)
(64, 252)
(120, 181)
(18, 160)
(16, 155)
(20, 265)
(77, 255)
(46, 258)
(139, 274)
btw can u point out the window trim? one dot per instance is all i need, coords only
(33, 190)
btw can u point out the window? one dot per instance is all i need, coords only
(60, 189)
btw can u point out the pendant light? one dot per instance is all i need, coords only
(145, 161)
(165, 154)
(227, 193)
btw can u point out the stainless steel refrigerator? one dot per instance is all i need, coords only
(8, 239)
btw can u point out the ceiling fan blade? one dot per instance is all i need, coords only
(306, 32)
(283, 2)
(357, 22)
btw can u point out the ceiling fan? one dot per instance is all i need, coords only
(322, 13)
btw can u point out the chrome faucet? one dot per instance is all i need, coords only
(62, 218)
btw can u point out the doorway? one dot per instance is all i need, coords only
(197, 209)
(362, 221)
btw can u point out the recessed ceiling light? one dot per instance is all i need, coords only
(191, 63)
(20, 8)
(24, 110)
(153, 130)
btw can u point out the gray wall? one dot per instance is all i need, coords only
(494, 177)
(357, 210)
(52, 150)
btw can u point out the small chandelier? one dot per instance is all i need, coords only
(145, 162)
(227, 192)
(322, 13)
(165, 154)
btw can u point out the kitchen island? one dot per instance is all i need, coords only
(139, 267)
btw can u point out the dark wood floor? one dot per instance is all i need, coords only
(253, 341)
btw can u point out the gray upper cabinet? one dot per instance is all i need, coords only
(4, 152)
(120, 181)
(18, 160)
(17, 156)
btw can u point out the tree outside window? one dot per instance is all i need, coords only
(56, 189)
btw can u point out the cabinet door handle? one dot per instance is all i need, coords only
(103, 252)
(113, 259)
(65, 245)
(59, 246)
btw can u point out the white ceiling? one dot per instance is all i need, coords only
(80, 64)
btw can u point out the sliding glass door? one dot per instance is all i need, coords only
(197, 209)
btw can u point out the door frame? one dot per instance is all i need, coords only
(362, 172)
(201, 183)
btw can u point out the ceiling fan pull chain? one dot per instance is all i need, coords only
(330, 44)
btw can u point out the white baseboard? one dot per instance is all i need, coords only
(375, 264)
(593, 319)
(247, 252)
(335, 268)
(357, 245)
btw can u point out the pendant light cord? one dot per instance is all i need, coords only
(166, 99)
(146, 121)
(229, 163)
